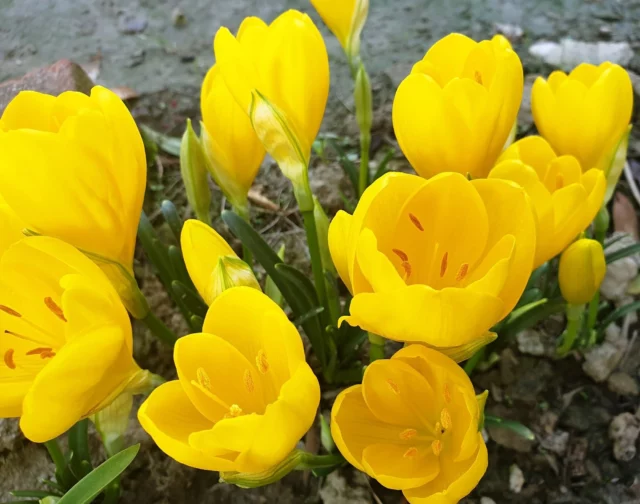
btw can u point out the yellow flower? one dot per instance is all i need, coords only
(11, 227)
(413, 425)
(345, 18)
(586, 113)
(74, 167)
(455, 111)
(565, 200)
(244, 395)
(212, 264)
(233, 150)
(582, 269)
(437, 261)
(65, 338)
(279, 75)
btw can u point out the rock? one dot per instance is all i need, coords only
(525, 116)
(529, 342)
(336, 489)
(509, 439)
(327, 182)
(516, 479)
(129, 24)
(623, 431)
(513, 32)
(63, 75)
(487, 500)
(621, 272)
(569, 53)
(576, 456)
(600, 361)
(623, 384)
(556, 442)
(10, 434)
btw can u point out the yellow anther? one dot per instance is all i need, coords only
(416, 222)
(54, 308)
(393, 386)
(407, 434)
(411, 452)
(261, 362)
(445, 419)
(477, 77)
(462, 272)
(248, 381)
(443, 264)
(9, 311)
(235, 411)
(436, 446)
(447, 393)
(203, 379)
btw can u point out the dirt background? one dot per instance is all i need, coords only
(158, 51)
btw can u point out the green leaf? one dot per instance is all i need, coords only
(349, 167)
(168, 144)
(537, 274)
(622, 253)
(270, 288)
(38, 494)
(529, 297)
(91, 485)
(512, 425)
(612, 240)
(382, 167)
(617, 314)
(290, 284)
(170, 213)
(530, 315)
(190, 298)
(80, 462)
(325, 435)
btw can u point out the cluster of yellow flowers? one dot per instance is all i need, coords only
(434, 260)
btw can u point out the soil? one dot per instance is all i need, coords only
(137, 45)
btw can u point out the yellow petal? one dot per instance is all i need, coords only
(456, 316)
(337, 16)
(375, 266)
(169, 418)
(454, 482)
(11, 226)
(582, 269)
(401, 467)
(339, 231)
(202, 246)
(449, 55)
(533, 151)
(31, 110)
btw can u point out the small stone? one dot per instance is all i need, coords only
(327, 182)
(510, 439)
(623, 384)
(621, 272)
(548, 421)
(576, 456)
(513, 32)
(487, 500)
(131, 24)
(336, 489)
(529, 342)
(516, 479)
(624, 430)
(10, 434)
(178, 17)
(556, 442)
(600, 361)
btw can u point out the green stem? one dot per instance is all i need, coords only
(365, 145)
(376, 347)
(310, 461)
(592, 314)
(475, 359)
(601, 224)
(316, 259)
(58, 458)
(112, 492)
(159, 329)
(243, 211)
(574, 321)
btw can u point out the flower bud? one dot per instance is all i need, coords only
(194, 174)
(363, 98)
(231, 272)
(582, 269)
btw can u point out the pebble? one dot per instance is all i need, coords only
(623, 431)
(529, 342)
(487, 500)
(556, 442)
(516, 479)
(600, 361)
(132, 24)
(623, 384)
(569, 53)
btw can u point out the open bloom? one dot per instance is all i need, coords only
(455, 111)
(345, 19)
(279, 75)
(233, 151)
(586, 113)
(74, 167)
(11, 227)
(437, 261)
(565, 200)
(413, 425)
(582, 270)
(65, 338)
(212, 264)
(244, 395)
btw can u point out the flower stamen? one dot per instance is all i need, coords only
(8, 358)
(393, 386)
(462, 272)
(203, 379)
(407, 434)
(248, 381)
(55, 309)
(261, 362)
(443, 264)
(436, 446)
(9, 311)
(416, 222)
(411, 452)
(445, 419)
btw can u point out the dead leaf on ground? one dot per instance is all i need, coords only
(625, 218)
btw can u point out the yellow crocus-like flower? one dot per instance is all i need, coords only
(233, 151)
(437, 261)
(455, 111)
(582, 270)
(74, 167)
(565, 199)
(586, 113)
(244, 395)
(345, 18)
(279, 75)
(212, 264)
(413, 425)
(11, 227)
(65, 338)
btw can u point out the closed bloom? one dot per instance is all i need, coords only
(233, 151)
(564, 198)
(345, 19)
(455, 111)
(279, 75)
(582, 269)
(586, 113)
(65, 338)
(437, 261)
(74, 167)
(413, 425)
(212, 264)
(244, 395)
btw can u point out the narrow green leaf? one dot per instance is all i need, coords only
(91, 485)
(190, 298)
(179, 269)
(270, 288)
(349, 167)
(168, 144)
(618, 314)
(80, 462)
(512, 425)
(325, 435)
(622, 253)
(528, 316)
(170, 213)
(382, 167)
(38, 494)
